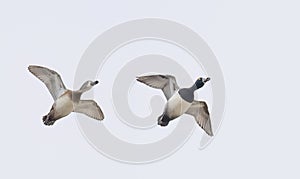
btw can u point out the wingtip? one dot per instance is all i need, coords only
(32, 66)
(209, 131)
(138, 78)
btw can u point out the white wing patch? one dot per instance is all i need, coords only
(89, 108)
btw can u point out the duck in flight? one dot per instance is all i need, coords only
(65, 100)
(180, 100)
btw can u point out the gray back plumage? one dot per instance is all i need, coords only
(187, 94)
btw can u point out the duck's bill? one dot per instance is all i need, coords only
(207, 79)
(95, 82)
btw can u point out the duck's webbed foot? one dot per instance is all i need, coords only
(47, 121)
(163, 120)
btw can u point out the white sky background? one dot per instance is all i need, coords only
(256, 43)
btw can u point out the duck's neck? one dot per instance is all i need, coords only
(193, 88)
(83, 89)
(80, 91)
(77, 95)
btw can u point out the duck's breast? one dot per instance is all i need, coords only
(176, 106)
(63, 105)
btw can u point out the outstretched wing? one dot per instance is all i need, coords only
(166, 83)
(50, 78)
(200, 111)
(89, 108)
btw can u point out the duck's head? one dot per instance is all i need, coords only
(88, 85)
(201, 81)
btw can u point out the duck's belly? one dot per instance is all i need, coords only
(63, 106)
(176, 106)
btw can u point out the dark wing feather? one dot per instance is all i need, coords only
(166, 83)
(50, 78)
(89, 108)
